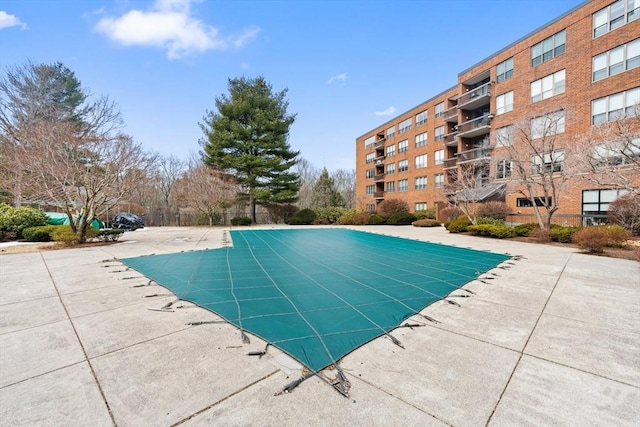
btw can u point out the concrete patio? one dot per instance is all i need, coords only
(554, 340)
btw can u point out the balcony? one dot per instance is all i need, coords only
(471, 155)
(451, 139)
(476, 97)
(476, 127)
(379, 143)
(378, 195)
(450, 115)
(379, 160)
(378, 178)
(450, 163)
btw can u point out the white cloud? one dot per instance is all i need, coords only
(7, 21)
(170, 26)
(338, 77)
(386, 112)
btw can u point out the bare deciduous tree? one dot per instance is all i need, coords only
(345, 182)
(468, 186)
(309, 175)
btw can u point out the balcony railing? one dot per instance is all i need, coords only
(379, 143)
(379, 194)
(475, 97)
(451, 115)
(378, 178)
(477, 126)
(451, 139)
(450, 163)
(475, 154)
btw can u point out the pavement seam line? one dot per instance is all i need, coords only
(522, 352)
(84, 351)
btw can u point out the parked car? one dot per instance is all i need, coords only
(127, 221)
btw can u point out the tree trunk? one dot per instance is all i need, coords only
(252, 208)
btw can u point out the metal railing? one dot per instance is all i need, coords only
(450, 114)
(476, 153)
(472, 95)
(474, 124)
(575, 220)
(450, 163)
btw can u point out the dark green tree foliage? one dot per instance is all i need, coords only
(247, 137)
(325, 194)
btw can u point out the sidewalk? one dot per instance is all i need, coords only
(555, 340)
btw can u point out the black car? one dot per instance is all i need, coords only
(127, 221)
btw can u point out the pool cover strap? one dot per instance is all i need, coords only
(317, 294)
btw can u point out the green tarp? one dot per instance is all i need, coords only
(317, 294)
(56, 218)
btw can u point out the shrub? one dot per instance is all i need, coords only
(497, 210)
(489, 220)
(458, 225)
(401, 218)
(540, 235)
(304, 217)
(389, 207)
(110, 234)
(618, 235)
(562, 234)
(348, 217)
(525, 229)
(17, 219)
(426, 223)
(329, 215)
(449, 214)
(241, 220)
(492, 230)
(592, 239)
(625, 211)
(361, 218)
(41, 233)
(426, 214)
(280, 212)
(376, 219)
(64, 234)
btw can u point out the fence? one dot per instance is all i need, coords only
(574, 220)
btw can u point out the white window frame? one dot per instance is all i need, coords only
(439, 109)
(504, 103)
(370, 189)
(391, 186)
(438, 157)
(614, 16)
(421, 161)
(504, 70)
(421, 118)
(404, 126)
(391, 132)
(438, 133)
(403, 165)
(420, 206)
(547, 125)
(615, 106)
(420, 183)
(391, 150)
(626, 55)
(549, 48)
(421, 139)
(548, 86)
(403, 185)
(438, 180)
(369, 141)
(391, 168)
(504, 169)
(550, 162)
(504, 136)
(370, 157)
(403, 146)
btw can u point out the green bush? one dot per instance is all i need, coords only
(41, 233)
(562, 234)
(401, 218)
(329, 215)
(492, 230)
(489, 220)
(109, 234)
(525, 229)
(17, 219)
(64, 234)
(347, 217)
(376, 219)
(426, 223)
(458, 225)
(426, 214)
(618, 235)
(241, 220)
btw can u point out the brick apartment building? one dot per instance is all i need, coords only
(581, 70)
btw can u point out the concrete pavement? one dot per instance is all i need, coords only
(552, 341)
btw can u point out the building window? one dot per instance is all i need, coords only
(504, 70)
(548, 48)
(615, 154)
(421, 118)
(596, 202)
(421, 139)
(525, 202)
(614, 16)
(403, 165)
(403, 146)
(438, 157)
(614, 61)
(439, 133)
(503, 169)
(371, 208)
(548, 86)
(370, 173)
(391, 168)
(370, 157)
(404, 126)
(438, 180)
(504, 103)
(420, 206)
(403, 185)
(504, 136)
(439, 109)
(391, 150)
(616, 106)
(370, 189)
(547, 125)
(391, 132)
(369, 141)
(421, 161)
(391, 186)
(548, 162)
(421, 183)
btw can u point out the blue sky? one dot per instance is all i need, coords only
(348, 65)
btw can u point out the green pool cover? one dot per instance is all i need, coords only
(317, 294)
